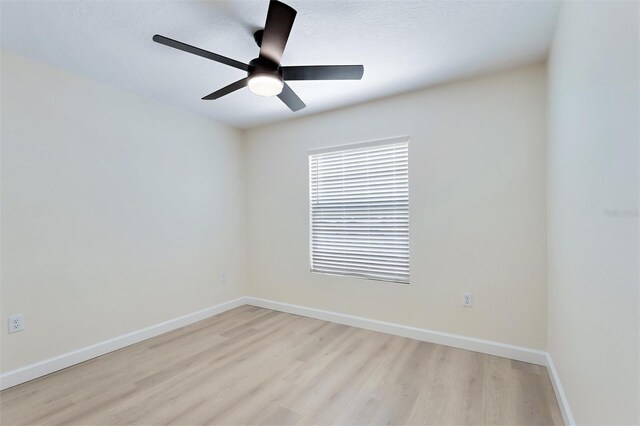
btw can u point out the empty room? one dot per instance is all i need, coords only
(320, 212)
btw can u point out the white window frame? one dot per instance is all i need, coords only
(311, 153)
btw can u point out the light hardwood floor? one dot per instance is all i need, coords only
(256, 366)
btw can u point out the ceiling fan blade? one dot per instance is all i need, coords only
(280, 19)
(290, 99)
(200, 52)
(323, 72)
(227, 89)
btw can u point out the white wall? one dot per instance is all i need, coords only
(117, 212)
(478, 208)
(593, 167)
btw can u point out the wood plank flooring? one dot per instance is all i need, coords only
(257, 366)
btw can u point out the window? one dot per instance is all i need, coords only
(360, 210)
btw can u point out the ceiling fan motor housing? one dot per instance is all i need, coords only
(264, 66)
(265, 77)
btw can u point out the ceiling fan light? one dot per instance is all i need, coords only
(265, 84)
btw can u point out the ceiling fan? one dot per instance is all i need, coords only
(265, 75)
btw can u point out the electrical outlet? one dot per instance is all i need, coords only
(223, 277)
(16, 323)
(467, 300)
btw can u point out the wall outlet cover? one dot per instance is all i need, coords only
(467, 300)
(16, 323)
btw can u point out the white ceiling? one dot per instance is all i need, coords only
(403, 45)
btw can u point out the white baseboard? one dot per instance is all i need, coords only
(567, 415)
(42, 368)
(519, 353)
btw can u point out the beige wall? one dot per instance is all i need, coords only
(117, 213)
(593, 167)
(478, 208)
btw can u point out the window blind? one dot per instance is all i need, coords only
(359, 200)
